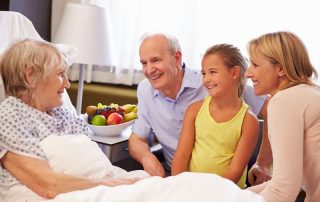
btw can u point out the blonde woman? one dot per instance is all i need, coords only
(280, 66)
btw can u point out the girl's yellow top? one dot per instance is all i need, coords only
(215, 143)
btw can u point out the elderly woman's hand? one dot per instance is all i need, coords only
(37, 175)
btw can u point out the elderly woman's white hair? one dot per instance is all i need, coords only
(19, 27)
(37, 57)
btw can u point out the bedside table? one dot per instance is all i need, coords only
(115, 148)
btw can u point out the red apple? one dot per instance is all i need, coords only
(114, 118)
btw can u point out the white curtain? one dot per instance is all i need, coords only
(199, 24)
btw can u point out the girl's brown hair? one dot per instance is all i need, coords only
(232, 57)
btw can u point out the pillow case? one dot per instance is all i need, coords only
(2, 94)
(76, 155)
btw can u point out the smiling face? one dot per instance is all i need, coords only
(265, 76)
(161, 66)
(48, 92)
(217, 77)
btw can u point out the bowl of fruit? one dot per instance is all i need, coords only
(110, 120)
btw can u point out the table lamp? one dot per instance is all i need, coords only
(87, 28)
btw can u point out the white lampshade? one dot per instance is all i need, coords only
(88, 28)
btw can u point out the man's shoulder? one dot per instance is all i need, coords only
(192, 79)
(255, 102)
(145, 89)
(248, 94)
(195, 73)
(144, 84)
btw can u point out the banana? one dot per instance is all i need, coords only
(135, 109)
(129, 116)
(101, 106)
(114, 105)
(128, 108)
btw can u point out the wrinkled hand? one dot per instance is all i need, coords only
(259, 174)
(153, 166)
(117, 182)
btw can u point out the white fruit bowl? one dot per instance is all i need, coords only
(108, 130)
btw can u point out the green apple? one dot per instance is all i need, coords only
(99, 120)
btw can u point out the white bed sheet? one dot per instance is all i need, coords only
(68, 152)
(186, 187)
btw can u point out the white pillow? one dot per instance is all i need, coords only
(76, 155)
(2, 91)
(2, 94)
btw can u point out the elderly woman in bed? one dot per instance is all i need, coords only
(34, 79)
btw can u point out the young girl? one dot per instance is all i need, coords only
(219, 133)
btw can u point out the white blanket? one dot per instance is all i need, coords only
(186, 187)
(62, 151)
(77, 155)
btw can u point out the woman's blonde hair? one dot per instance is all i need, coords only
(231, 57)
(288, 50)
(39, 57)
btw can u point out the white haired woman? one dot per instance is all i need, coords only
(34, 77)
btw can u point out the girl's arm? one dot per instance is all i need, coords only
(182, 156)
(245, 147)
(37, 175)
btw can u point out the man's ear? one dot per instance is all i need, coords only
(178, 57)
(236, 71)
(29, 74)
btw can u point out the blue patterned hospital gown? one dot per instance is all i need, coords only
(22, 128)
